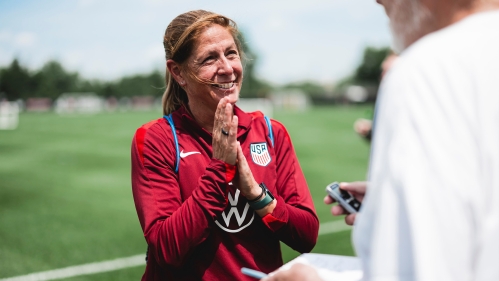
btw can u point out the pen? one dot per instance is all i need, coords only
(253, 273)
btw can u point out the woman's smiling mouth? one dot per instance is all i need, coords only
(223, 85)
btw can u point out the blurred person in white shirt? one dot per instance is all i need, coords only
(363, 126)
(431, 211)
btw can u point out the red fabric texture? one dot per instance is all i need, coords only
(230, 172)
(197, 224)
(139, 138)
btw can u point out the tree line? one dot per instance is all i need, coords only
(52, 79)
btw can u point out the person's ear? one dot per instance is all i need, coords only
(174, 69)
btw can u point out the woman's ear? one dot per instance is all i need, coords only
(174, 69)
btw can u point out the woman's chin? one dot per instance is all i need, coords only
(232, 97)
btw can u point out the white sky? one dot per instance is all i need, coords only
(295, 40)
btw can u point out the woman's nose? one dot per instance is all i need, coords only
(225, 66)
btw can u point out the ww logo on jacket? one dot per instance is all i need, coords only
(235, 218)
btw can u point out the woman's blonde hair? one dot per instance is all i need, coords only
(180, 36)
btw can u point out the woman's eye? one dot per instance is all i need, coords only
(208, 59)
(232, 53)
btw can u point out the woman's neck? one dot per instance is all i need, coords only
(203, 115)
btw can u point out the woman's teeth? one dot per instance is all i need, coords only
(224, 86)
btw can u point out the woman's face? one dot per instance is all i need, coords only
(215, 58)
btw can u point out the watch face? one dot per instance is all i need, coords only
(267, 199)
(269, 193)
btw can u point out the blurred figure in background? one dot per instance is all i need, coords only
(431, 211)
(363, 126)
(215, 188)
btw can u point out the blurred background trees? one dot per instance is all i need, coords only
(369, 71)
(366, 76)
(16, 82)
(252, 86)
(52, 79)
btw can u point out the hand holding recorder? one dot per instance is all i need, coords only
(348, 195)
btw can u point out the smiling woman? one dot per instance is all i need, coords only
(190, 56)
(213, 71)
(215, 188)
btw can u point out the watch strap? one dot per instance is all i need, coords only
(263, 202)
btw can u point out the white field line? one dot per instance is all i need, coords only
(110, 265)
(84, 269)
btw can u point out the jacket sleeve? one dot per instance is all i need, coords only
(173, 228)
(293, 220)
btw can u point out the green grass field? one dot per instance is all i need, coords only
(65, 193)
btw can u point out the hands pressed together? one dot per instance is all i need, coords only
(225, 133)
(226, 148)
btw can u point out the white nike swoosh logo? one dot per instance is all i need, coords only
(185, 154)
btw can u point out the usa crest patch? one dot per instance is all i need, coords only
(260, 153)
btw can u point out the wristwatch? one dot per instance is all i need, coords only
(260, 204)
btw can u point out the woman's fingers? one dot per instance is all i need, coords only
(241, 160)
(219, 117)
(232, 144)
(246, 181)
(225, 133)
(233, 129)
(227, 117)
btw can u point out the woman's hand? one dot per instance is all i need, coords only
(224, 134)
(247, 184)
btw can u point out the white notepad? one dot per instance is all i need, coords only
(330, 267)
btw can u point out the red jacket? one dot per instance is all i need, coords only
(196, 223)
